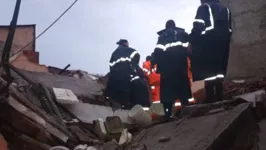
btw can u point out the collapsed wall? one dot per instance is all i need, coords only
(248, 47)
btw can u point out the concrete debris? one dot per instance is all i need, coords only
(91, 148)
(89, 112)
(81, 147)
(234, 89)
(73, 73)
(90, 126)
(139, 115)
(194, 133)
(27, 126)
(114, 127)
(125, 137)
(111, 145)
(59, 148)
(65, 96)
(99, 129)
(89, 91)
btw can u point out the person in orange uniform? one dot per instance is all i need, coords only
(146, 67)
(153, 79)
(191, 100)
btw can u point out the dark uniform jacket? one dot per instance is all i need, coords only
(210, 39)
(170, 55)
(122, 72)
(139, 87)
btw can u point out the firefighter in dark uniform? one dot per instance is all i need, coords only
(210, 40)
(139, 87)
(170, 55)
(123, 75)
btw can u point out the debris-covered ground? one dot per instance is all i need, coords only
(40, 117)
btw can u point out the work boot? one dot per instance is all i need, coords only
(219, 89)
(167, 111)
(210, 91)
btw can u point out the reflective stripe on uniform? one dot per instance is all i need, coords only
(133, 54)
(211, 20)
(146, 108)
(214, 77)
(123, 59)
(173, 44)
(160, 46)
(135, 78)
(191, 100)
(119, 60)
(199, 20)
(228, 11)
(220, 76)
(177, 104)
(178, 43)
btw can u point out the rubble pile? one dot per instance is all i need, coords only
(73, 73)
(27, 126)
(37, 115)
(233, 89)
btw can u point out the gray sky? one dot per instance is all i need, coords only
(85, 37)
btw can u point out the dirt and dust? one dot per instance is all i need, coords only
(192, 134)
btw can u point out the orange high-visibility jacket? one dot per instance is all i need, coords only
(189, 69)
(154, 80)
(146, 68)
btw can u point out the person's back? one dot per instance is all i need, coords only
(120, 63)
(170, 55)
(213, 21)
(172, 59)
(121, 73)
(210, 39)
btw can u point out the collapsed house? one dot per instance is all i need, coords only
(45, 107)
(31, 121)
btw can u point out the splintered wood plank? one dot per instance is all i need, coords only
(200, 133)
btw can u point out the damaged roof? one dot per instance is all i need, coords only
(73, 73)
(86, 90)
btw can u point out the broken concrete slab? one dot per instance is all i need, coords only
(196, 133)
(89, 112)
(90, 91)
(250, 97)
(65, 96)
